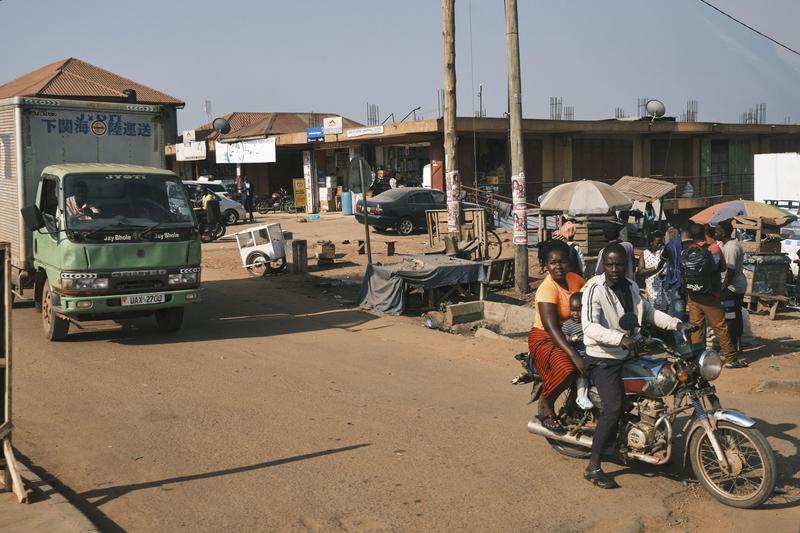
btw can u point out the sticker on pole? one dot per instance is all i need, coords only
(452, 217)
(520, 217)
(518, 193)
(453, 186)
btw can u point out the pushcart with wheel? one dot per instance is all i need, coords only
(262, 249)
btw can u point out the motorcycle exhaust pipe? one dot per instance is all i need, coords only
(535, 426)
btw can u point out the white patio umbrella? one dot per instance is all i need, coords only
(585, 197)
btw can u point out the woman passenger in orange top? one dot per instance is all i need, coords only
(556, 360)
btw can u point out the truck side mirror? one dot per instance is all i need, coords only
(213, 215)
(32, 217)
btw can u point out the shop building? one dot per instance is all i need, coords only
(246, 126)
(714, 159)
(707, 161)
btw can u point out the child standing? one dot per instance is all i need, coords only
(573, 331)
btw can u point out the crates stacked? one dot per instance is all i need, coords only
(589, 233)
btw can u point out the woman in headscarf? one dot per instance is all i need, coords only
(556, 360)
(566, 233)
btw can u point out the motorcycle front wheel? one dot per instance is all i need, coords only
(753, 472)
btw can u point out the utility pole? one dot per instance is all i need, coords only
(517, 153)
(452, 178)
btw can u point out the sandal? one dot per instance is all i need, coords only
(598, 478)
(550, 422)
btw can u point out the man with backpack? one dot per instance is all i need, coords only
(701, 265)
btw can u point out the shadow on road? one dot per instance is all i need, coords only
(788, 466)
(107, 494)
(771, 347)
(97, 517)
(242, 308)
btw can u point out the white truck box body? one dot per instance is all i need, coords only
(777, 177)
(36, 132)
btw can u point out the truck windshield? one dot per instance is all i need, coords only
(95, 201)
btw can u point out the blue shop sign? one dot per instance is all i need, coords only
(315, 135)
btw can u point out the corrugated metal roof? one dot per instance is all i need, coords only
(258, 124)
(73, 78)
(644, 189)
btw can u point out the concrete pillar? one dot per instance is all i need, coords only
(548, 161)
(637, 167)
(565, 148)
(299, 256)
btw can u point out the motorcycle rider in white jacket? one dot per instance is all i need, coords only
(606, 298)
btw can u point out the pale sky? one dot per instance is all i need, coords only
(335, 56)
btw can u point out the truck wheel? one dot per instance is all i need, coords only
(55, 327)
(169, 320)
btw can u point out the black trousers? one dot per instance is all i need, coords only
(732, 303)
(606, 375)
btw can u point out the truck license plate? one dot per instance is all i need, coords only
(143, 299)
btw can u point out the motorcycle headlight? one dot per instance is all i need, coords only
(182, 278)
(710, 364)
(82, 284)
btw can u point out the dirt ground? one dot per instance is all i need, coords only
(281, 406)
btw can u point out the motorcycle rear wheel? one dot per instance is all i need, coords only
(750, 457)
(564, 404)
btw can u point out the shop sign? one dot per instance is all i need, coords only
(360, 132)
(315, 135)
(299, 187)
(253, 151)
(332, 125)
(190, 151)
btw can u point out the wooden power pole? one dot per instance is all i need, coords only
(520, 213)
(452, 178)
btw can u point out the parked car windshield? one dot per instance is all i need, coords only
(95, 201)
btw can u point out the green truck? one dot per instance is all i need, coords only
(98, 230)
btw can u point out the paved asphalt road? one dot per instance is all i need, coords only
(276, 411)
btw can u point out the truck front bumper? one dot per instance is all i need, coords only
(109, 304)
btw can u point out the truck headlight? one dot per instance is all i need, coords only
(710, 365)
(83, 284)
(183, 278)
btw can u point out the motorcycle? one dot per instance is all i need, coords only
(278, 201)
(731, 459)
(210, 224)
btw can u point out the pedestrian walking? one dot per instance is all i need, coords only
(701, 266)
(671, 281)
(734, 285)
(650, 265)
(611, 232)
(246, 194)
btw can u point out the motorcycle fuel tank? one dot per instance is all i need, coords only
(648, 376)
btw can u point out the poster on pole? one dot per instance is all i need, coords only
(453, 186)
(252, 151)
(520, 215)
(310, 182)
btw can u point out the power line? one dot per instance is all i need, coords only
(712, 6)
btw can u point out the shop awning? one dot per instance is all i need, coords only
(644, 189)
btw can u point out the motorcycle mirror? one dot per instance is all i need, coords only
(629, 322)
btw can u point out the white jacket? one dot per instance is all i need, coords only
(601, 313)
